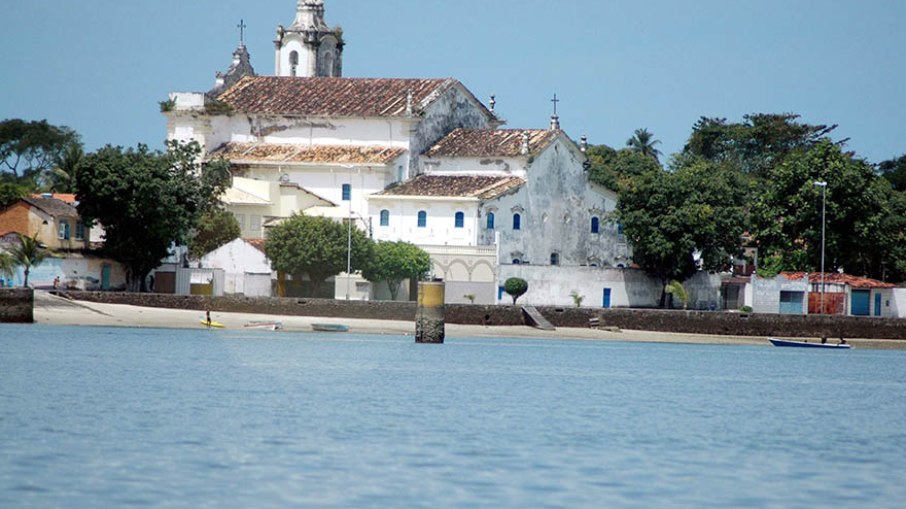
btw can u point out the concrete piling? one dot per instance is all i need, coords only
(429, 316)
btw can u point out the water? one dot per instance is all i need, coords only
(100, 417)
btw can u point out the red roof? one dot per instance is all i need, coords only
(465, 186)
(835, 278)
(491, 142)
(256, 243)
(64, 197)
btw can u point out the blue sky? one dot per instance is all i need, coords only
(102, 66)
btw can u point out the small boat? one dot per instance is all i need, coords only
(329, 327)
(271, 325)
(806, 344)
(212, 324)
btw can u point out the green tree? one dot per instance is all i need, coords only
(29, 150)
(755, 145)
(62, 176)
(7, 263)
(28, 253)
(316, 246)
(147, 200)
(607, 166)
(395, 261)
(678, 292)
(11, 191)
(681, 221)
(215, 228)
(515, 287)
(862, 227)
(643, 142)
(894, 170)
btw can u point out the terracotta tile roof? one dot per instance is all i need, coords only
(466, 186)
(65, 197)
(333, 97)
(52, 206)
(491, 142)
(286, 153)
(256, 243)
(835, 278)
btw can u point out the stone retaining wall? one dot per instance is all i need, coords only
(693, 322)
(17, 305)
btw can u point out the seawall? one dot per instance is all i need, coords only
(692, 322)
(17, 305)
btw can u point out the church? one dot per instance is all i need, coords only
(413, 159)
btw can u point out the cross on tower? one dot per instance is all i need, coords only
(241, 26)
(555, 101)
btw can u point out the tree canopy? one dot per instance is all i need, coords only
(643, 142)
(682, 220)
(147, 200)
(316, 246)
(395, 261)
(758, 143)
(515, 287)
(864, 216)
(894, 170)
(30, 150)
(215, 228)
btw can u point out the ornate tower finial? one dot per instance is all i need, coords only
(525, 143)
(583, 143)
(493, 102)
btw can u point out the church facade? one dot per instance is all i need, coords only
(419, 160)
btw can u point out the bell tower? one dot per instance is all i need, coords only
(308, 47)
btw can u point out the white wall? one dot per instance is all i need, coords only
(898, 303)
(238, 259)
(440, 226)
(554, 286)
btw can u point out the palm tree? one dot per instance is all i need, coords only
(62, 177)
(643, 142)
(7, 264)
(678, 291)
(28, 253)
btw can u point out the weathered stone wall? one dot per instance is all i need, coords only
(693, 322)
(17, 305)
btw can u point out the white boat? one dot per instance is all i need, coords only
(271, 325)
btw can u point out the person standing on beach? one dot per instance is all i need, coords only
(207, 316)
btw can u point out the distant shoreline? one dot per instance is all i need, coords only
(52, 310)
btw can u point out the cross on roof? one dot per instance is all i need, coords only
(555, 101)
(241, 26)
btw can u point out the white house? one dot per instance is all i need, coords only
(246, 269)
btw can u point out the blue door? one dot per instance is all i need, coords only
(607, 297)
(791, 303)
(877, 304)
(105, 277)
(861, 303)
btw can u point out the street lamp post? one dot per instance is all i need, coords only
(823, 185)
(349, 235)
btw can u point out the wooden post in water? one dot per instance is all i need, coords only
(429, 317)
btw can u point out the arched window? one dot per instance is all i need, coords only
(595, 224)
(490, 225)
(293, 62)
(517, 221)
(422, 219)
(555, 258)
(460, 220)
(347, 192)
(385, 217)
(517, 261)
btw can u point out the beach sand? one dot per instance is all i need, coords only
(53, 310)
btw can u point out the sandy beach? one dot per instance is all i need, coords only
(53, 310)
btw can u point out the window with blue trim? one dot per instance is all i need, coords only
(347, 192)
(64, 232)
(460, 220)
(80, 230)
(595, 224)
(422, 219)
(517, 221)
(490, 225)
(385, 218)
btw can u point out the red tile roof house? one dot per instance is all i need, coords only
(843, 294)
(55, 222)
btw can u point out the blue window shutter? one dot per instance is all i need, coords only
(517, 222)
(385, 218)
(422, 219)
(490, 220)
(460, 219)
(347, 192)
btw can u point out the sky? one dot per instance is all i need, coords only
(102, 66)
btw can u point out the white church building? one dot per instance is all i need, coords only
(418, 160)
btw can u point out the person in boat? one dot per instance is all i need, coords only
(842, 341)
(824, 339)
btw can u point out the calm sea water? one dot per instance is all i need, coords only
(102, 417)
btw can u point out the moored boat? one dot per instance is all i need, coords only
(271, 325)
(806, 344)
(329, 327)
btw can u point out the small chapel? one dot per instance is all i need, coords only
(421, 160)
